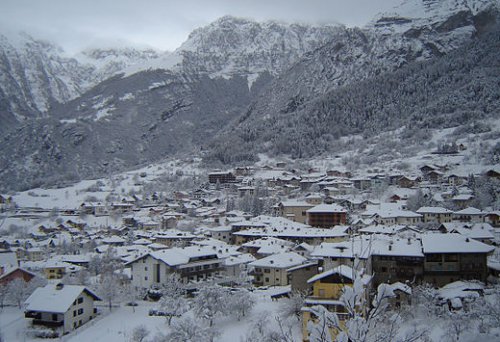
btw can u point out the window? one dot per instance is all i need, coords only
(74, 313)
(80, 311)
(267, 270)
(451, 257)
(145, 278)
(145, 268)
(80, 300)
(54, 317)
(267, 279)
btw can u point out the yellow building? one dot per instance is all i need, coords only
(327, 291)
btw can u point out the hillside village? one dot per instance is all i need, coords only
(310, 234)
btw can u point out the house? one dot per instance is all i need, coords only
(192, 263)
(326, 216)
(8, 275)
(452, 257)
(294, 210)
(221, 177)
(435, 214)
(408, 181)
(493, 218)
(396, 294)
(54, 269)
(462, 200)
(234, 265)
(300, 274)
(64, 307)
(273, 270)
(469, 214)
(327, 291)
(396, 260)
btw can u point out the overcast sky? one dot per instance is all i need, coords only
(164, 24)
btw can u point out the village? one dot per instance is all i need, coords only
(305, 236)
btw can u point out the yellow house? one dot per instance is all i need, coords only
(327, 291)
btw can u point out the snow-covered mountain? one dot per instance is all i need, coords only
(34, 75)
(246, 87)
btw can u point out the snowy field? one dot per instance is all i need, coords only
(119, 324)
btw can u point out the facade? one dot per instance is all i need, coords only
(326, 216)
(221, 177)
(66, 307)
(435, 214)
(273, 270)
(327, 291)
(294, 210)
(452, 257)
(190, 263)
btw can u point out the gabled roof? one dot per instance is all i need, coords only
(51, 298)
(327, 208)
(283, 260)
(469, 211)
(433, 210)
(453, 243)
(343, 270)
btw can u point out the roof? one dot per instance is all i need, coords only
(453, 243)
(51, 299)
(469, 211)
(342, 270)
(179, 256)
(433, 210)
(327, 208)
(282, 260)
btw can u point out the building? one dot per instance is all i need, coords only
(294, 210)
(190, 263)
(435, 214)
(452, 257)
(326, 216)
(469, 214)
(396, 260)
(273, 270)
(221, 177)
(327, 291)
(65, 307)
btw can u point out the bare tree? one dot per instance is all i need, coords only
(210, 302)
(140, 333)
(240, 303)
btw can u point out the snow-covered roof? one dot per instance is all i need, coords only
(327, 208)
(433, 210)
(469, 211)
(342, 270)
(239, 259)
(8, 259)
(453, 243)
(291, 232)
(179, 256)
(55, 298)
(283, 260)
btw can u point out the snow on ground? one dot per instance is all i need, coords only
(119, 324)
(74, 195)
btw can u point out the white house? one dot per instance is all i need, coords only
(65, 307)
(272, 270)
(192, 263)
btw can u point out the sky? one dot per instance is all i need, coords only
(164, 24)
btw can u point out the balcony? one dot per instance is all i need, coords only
(51, 324)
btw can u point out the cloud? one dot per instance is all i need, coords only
(165, 24)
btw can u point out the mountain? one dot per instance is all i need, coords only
(35, 75)
(236, 88)
(159, 106)
(353, 58)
